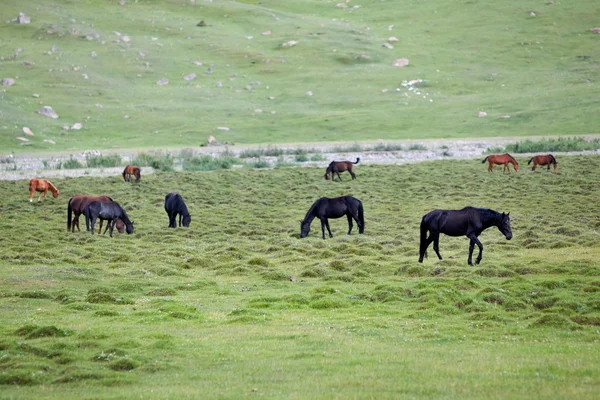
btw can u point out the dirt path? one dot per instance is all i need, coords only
(26, 166)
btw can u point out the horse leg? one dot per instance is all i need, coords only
(490, 167)
(107, 226)
(338, 174)
(436, 243)
(327, 225)
(112, 226)
(322, 227)
(180, 216)
(474, 241)
(352, 173)
(534, 165)
(349, 223)
(31, 192)
(172, 223)
(93, 223)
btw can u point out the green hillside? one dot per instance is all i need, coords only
(97, 63)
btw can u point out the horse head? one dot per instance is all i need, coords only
(129, 228)
(504, 226)
(186, 220)
(304, 228)
(327, 176)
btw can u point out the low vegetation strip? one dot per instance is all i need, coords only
(255, 309)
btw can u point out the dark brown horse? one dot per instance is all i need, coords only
(335, 167)
(42, 186)
(131, 170)
(547, 159)
(501, 159)
(76, 207)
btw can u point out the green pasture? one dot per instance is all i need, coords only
(97, 63)
(238, 306)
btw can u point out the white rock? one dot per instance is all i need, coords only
(266, 33)
(22, 139)
(309, 93)
(163, 82)
(392, 39)
(76, 126)
(23, 19)
(289, 43)
(27, 131)
(8, 81)
(48, 112)
(401, 62)
(49, 141)
(223, 128)
(190, 77)
(387, 46)
(481, 114)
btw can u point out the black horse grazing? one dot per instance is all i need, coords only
(174, 205)
(469, 221)
(334, 208)
(107, 211)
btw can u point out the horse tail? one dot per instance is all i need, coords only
(138, 174)
(361, 217)
(69, 214)
(529, 162)
(124, 172)
(424, 228)
(357, 160)
(484, 160)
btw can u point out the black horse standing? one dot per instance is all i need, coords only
(174, 205)
(107, 211)
(469, 221)
(325, 208)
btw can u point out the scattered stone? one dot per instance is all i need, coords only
(99, 106)
(23, 19)
(266, 33)
(76, 126)
(126, 117)
(122, 2)
(22, 139)
(309, 93)
(117, 33)
(258, 111)
(400, 62)
(94, 54)
(126, 39)
(223, 128)
(49, 141)
(85, 76)
(341, 5)
(27, 131)
(392, 39)
(209, 70)
(36, 95)
(531, 14)
(290, 43)
(8, 82)
(198, 63)
(219, 84)
(387, 46)
(201, 23)
(248, 87)
(271, 98)
(211, 139)
(47, 111)
(482, 114)
(356, 7)
(595, 30)
(65, 127)
(292, 279)
(504, 116)
(190, 77)
(28, 63)
(390, 27)
(550, 3)
(163, 82)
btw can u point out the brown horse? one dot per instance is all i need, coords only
(131, 170)
(42, 186)
(546, 159)
(76, 207)
(501, 159)
(335, 167)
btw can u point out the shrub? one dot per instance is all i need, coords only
(159, 161)
(261, 164)
(560, 144)
(71, 163)
(113, 160)
(209, 163)
(301, 157)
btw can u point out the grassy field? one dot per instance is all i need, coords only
(97, 63)
(211, 312)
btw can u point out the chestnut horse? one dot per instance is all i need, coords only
(42, 186)
(501, 159)
(131, 170)
(77, 205)
(335, 167)
(543, 160)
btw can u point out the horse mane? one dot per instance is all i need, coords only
(512, 158)
(52, 188)
(309, 214)
(553, 159)
(124, 216)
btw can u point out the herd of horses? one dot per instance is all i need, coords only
(469, 221)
